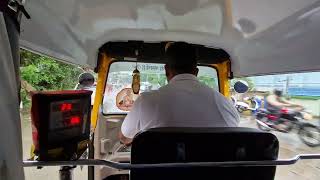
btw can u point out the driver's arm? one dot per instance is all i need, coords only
(130, 125)
(124, 139)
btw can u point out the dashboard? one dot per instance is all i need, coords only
(109, 145)
(124, 149)
(120, 153)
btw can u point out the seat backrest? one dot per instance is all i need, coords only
(169, 145)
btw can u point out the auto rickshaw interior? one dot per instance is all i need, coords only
(116, 63)
(185, 145)
(154, 53)
(136, 34)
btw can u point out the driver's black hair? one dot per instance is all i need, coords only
(181, 57)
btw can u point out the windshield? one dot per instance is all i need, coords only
(152, 77)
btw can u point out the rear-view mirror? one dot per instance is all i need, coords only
(241, 86)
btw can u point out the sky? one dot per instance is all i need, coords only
(299, 83)
(296, 79)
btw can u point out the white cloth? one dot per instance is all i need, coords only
(89, 88)
(184, 102)
(10, 130)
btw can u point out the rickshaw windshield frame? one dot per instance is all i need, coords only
(137, 61)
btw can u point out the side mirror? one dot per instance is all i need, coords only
(241, 86)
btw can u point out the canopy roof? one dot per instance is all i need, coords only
(261, 37)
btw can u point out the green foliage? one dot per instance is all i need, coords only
(45, 73)
(153, 79)
(28, 57)
(162, 80)
(208, 80)
(306, 97)
(143, 77)
(25, 98)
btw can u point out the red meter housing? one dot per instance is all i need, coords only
(60, 124)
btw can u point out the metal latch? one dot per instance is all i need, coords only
(104, 144)
(17, 7)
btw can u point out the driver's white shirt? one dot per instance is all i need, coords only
(184, 102)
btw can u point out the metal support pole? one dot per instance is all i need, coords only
(66, 172)
(127, 166)
(287, 86)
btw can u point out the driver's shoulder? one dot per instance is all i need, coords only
(148, 95)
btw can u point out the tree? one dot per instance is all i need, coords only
(208, 80)
(162, 80)
(44, 73)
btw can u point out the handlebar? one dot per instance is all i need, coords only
(128, 166)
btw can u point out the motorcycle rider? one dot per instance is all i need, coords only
(276, 102)
(86, 82)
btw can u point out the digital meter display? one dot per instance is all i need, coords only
(65, 114)
(67, 118)
(61, 123)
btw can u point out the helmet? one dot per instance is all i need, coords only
(278, 92)
(86, 79)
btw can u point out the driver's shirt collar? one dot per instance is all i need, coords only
(182, 77)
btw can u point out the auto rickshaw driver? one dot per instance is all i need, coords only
(184, 102)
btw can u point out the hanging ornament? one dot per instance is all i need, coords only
(136, 80)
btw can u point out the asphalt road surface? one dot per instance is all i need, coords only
(290, 145)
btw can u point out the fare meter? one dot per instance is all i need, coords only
(60, 124)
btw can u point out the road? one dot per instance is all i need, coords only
(46, 173)
(290, 145)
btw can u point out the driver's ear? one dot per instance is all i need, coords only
(167, 70)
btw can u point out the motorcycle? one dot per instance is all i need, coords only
(254, 101)
(285, 121)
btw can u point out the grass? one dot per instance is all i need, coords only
(306, 97)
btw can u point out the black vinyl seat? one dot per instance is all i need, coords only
(169, 145)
